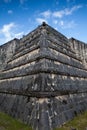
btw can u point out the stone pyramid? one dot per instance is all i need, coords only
(43, 81)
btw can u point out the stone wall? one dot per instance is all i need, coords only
(44, 113)
(6, 52)
(80, 48)
(44, 81)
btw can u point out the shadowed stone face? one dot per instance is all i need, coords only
(43, 78)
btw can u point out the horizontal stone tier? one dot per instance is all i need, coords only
(27, 45)
(61, 49)
(24, 52)
(39, 94)
(26, 69)
(64, 51)
(56, 35)
(36, 55)
(64, 58)
(54, 82)
(57, 43)
(25, 59)
(44, 65)
(35, 33)
(62, 75)
(57, 66)
(45, 83)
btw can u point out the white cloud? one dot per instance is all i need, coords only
(66, 11)
(46, 14)
(61, 23)
(18, 35)
(10, 11)
(56, 17)
(67, 25)
(7, 32)
(55, 21)
(40, 20)
(74, 8)
(56, 28)
(58, 14)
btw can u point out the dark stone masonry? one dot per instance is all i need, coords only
(43, 78)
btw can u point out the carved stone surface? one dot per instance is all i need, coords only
(6, 52)
(43, 78)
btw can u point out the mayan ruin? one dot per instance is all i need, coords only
(43, 78)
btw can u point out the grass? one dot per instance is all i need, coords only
(79, 122)
(8, 123)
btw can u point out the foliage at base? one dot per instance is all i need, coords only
(8, 123)
(78, 123)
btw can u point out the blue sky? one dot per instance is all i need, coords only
(19, 17)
